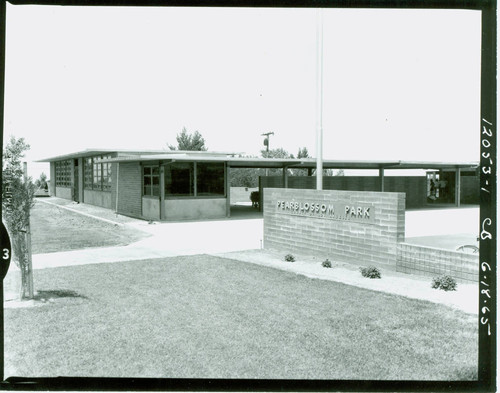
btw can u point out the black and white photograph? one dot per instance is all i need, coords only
(269, 196)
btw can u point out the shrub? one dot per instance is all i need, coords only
(370, 272)
(444, 282)
(289, 258)
(326, 263)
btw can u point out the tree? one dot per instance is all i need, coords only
(276, 153)
(303, 153)
(18, 194)
(41, 182)
(187, 141)
(245, 177)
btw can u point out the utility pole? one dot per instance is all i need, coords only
(266, 143)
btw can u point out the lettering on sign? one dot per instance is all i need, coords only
(335, 211)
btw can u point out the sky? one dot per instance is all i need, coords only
(397, 84)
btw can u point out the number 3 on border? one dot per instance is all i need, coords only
(6, 251)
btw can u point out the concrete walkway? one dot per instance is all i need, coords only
(167, 240)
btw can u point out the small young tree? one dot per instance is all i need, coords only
(186, 141)
(18, 193)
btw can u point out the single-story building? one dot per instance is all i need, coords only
(182, 185)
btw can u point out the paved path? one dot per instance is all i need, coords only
(167, 240)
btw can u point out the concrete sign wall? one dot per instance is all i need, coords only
(363, 227)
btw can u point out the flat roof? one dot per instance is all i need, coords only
(235, 160)
(132, 153)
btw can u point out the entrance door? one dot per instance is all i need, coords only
(76, 181)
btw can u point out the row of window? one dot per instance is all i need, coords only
(63, 173)
(97, 175)
(185, 179)
(181, 179)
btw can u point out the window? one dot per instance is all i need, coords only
(179, 179)
(106, 176)
(87, 173)
(209, 179)
(63, 173)
(97, 174)
(194, 179)
(151, 176)
(97, 183)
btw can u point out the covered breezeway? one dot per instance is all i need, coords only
(448, 170)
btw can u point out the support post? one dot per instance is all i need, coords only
(162, 192)
(381, 178)
(195, 179)
(457, 187)
(117, 185)
(285, 177)
(227, 186)
(81, 180)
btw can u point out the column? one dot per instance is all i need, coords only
(457, 187)
(227, 187)
(285, 177)
(381, 178)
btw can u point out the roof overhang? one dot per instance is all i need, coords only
(246, 162)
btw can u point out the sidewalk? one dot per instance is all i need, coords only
(167, 239)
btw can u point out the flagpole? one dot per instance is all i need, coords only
(319, 99)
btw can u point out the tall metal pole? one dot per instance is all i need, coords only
(319, 99)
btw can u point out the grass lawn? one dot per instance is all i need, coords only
(210, 317)
(54, 229)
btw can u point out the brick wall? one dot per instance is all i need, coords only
(428, 261)
(129, 189)
(372, 241)
(413, 186)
